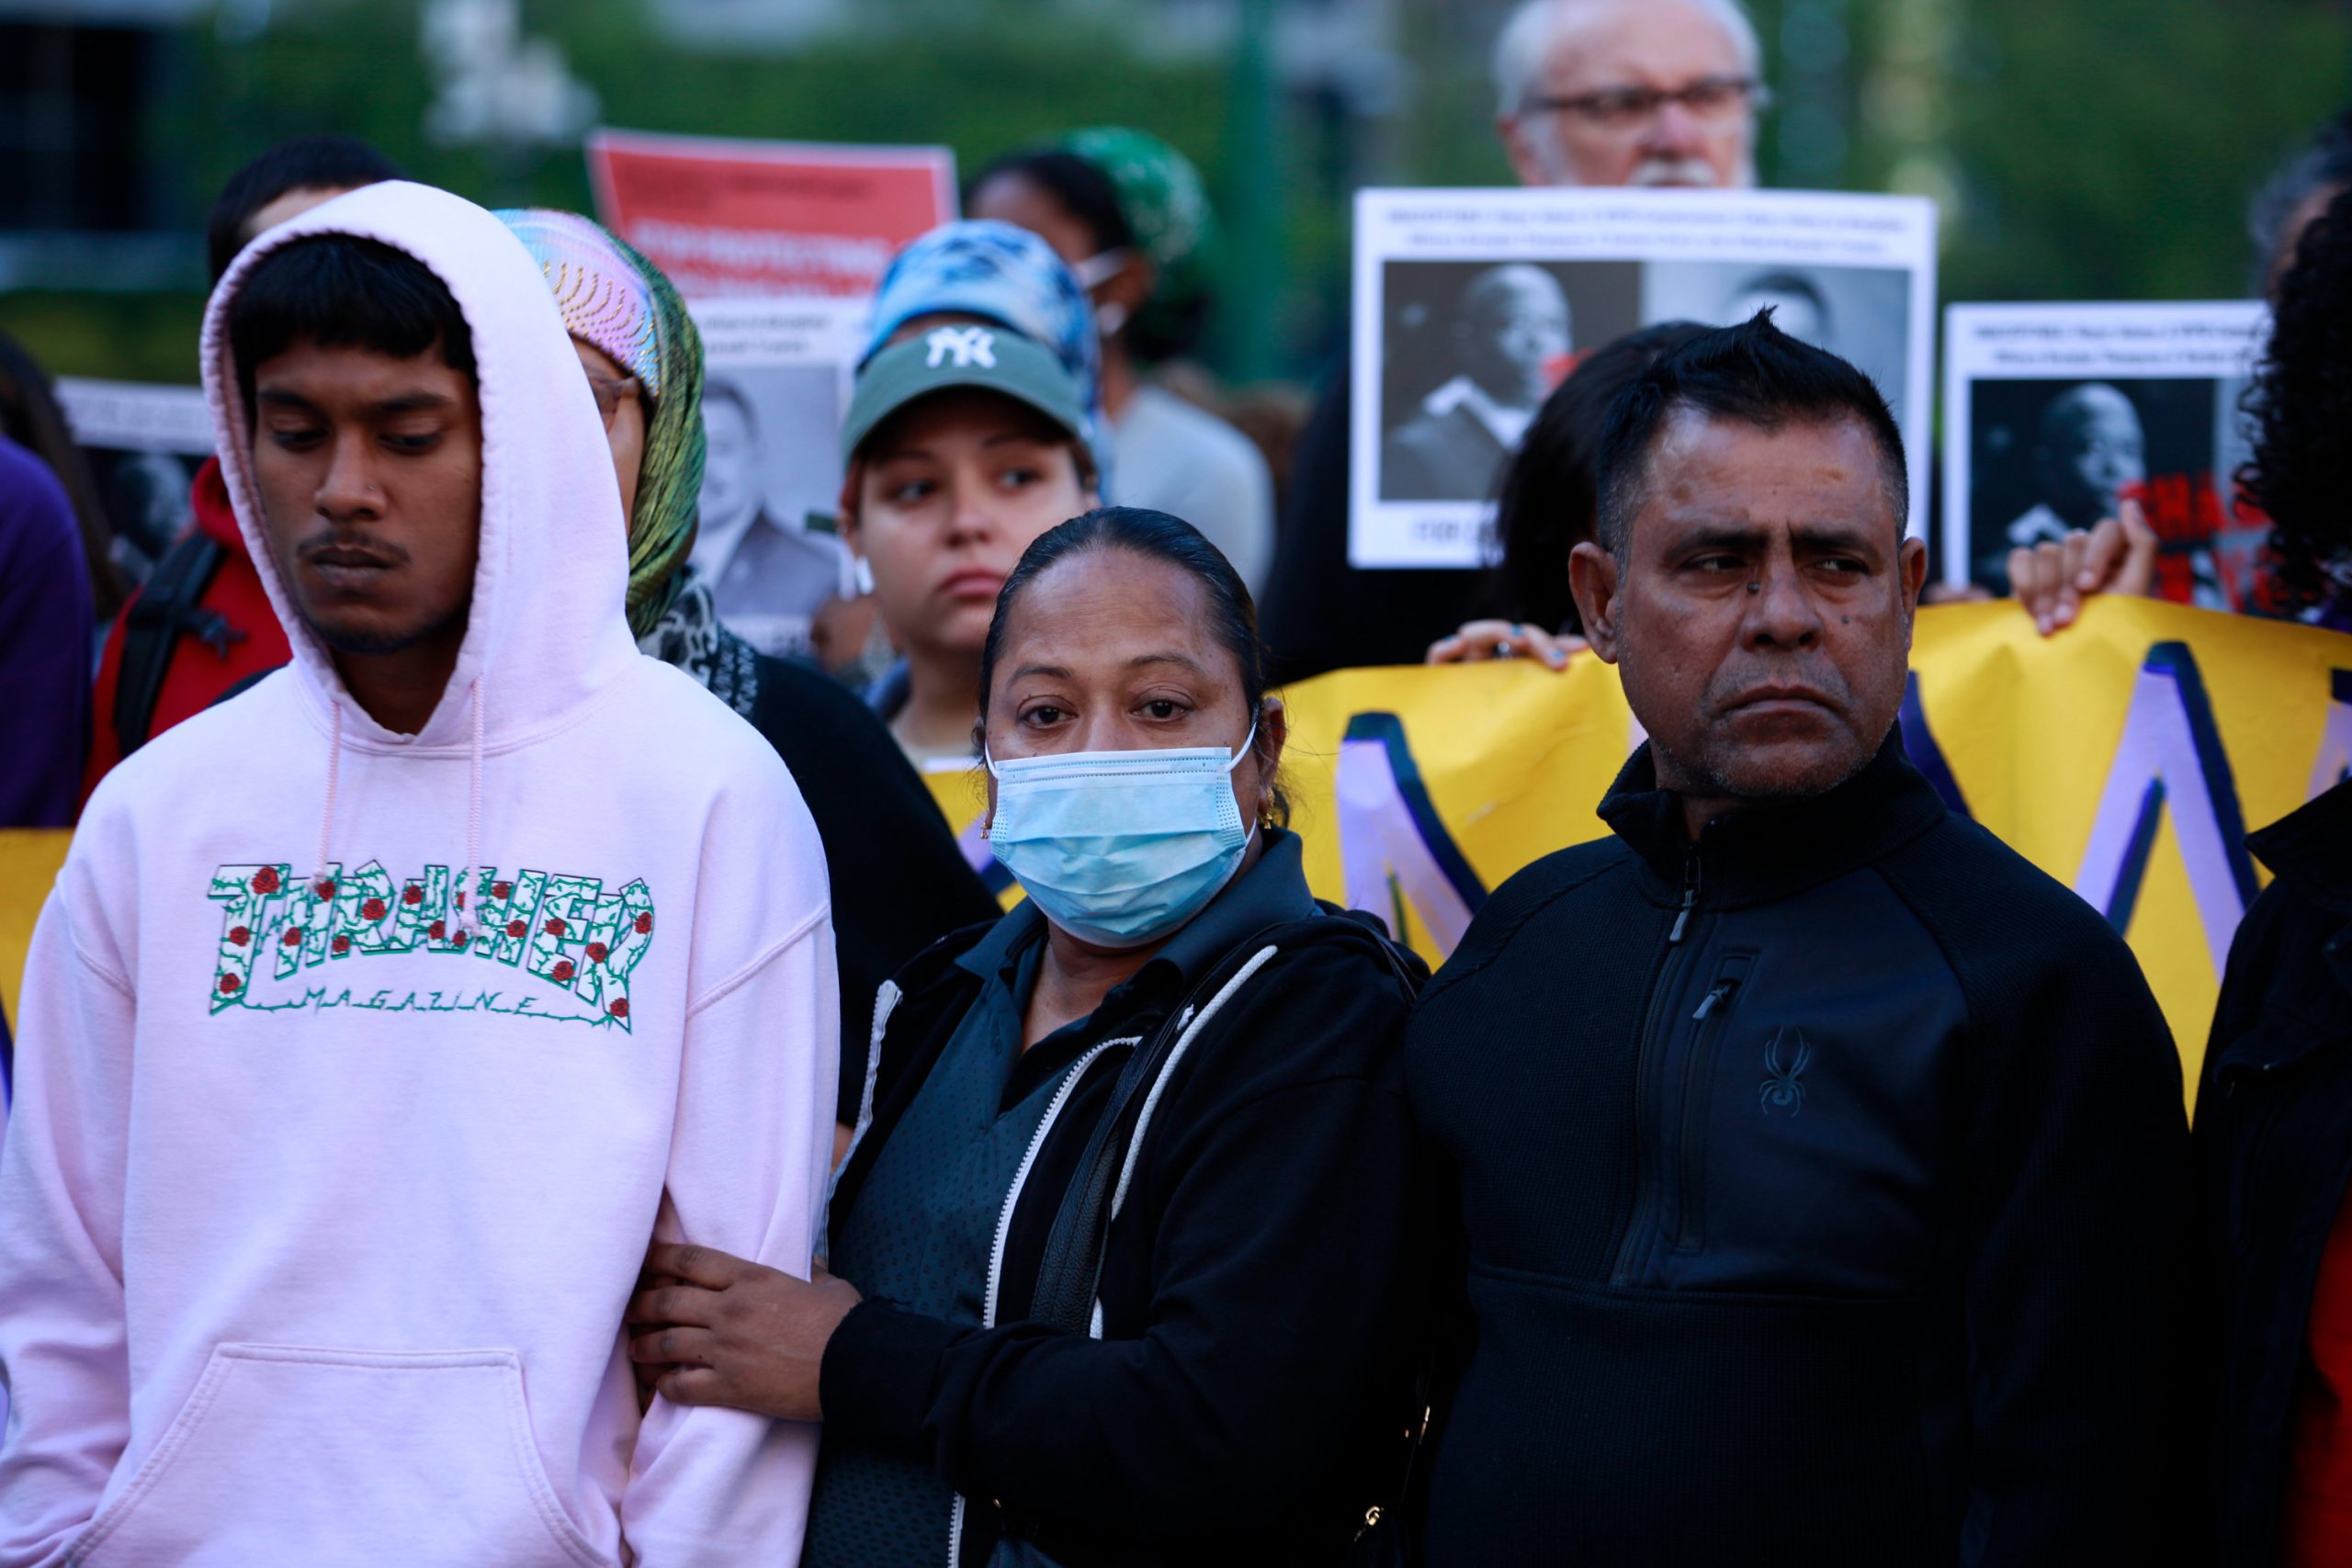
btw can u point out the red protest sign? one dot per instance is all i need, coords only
(770, 218)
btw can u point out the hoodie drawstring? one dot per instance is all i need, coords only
(326, 820)
(474, 809)
(475, 908)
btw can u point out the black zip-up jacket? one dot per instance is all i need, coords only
(2273, 1136)
(1823, 1194)
(1259, 1292)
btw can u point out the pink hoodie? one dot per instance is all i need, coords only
(326, 1184)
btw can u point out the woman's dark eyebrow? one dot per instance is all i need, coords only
(1140, 659)
(1053, 671)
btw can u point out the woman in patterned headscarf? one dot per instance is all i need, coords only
(1128, 214)
(899, 881)
(643, 360)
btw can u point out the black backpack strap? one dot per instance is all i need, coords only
(245, 685)
(169, 602)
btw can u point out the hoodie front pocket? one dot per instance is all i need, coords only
(286, 1454)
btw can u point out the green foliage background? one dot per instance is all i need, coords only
(2084, 148)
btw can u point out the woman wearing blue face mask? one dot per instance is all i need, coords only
(1124, 1264)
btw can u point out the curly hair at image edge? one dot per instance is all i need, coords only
(2302, 404)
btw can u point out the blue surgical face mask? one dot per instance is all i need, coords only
(1121, 848)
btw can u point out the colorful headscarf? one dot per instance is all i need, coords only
(976, 268)
(614, 299)
(1161, 197)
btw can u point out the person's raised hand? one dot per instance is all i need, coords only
(736, 1333)
(2116, 556)
(1504, 639)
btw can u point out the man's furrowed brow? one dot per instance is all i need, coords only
(1715, 534)
(281, 398)
(1819, 534)
(418, 401)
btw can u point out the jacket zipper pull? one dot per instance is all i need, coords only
(1690, 897)
(1722, 993)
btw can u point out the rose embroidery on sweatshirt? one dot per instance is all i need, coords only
(580, 941)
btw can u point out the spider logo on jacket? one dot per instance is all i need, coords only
(1785, 1059)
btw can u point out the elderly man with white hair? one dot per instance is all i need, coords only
(1590, 93)
(1628, 93)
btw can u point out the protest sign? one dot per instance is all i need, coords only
(776, 384)
(144, 443)
(1471, 305)
(2055, 414)
(1419, 791)
(30, 858)
(770, 218)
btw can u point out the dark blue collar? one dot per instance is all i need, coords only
(2312, 843)
(1766, 851)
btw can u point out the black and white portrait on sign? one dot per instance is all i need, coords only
(1862, 314)
(2057, 415)
(773, 399)
(1472, 350)
(2048, 458)
(145, 444)
(1470, 307)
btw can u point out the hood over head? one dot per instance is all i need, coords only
(546, 627)
(546, 630)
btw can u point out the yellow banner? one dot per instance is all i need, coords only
(28, 861)
(2126, 757)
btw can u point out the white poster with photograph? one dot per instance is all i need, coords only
(1470, 306)
(2054, 415)
(145, 442)
(776, 385)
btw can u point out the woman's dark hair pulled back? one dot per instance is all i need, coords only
(1546, 503)
(1083, 191)
(1153, 536)
(1165, 326)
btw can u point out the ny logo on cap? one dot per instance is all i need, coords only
(970, 346)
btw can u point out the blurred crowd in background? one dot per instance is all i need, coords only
(1146, 302)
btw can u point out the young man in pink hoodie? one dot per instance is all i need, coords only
(381, 1013)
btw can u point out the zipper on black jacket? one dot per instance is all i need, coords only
(1690, 897)
(1698, 1075)
(1669, 971)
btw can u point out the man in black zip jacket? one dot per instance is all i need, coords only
(1820, 1165)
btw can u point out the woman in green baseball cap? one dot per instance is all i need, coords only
(1128, 213)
